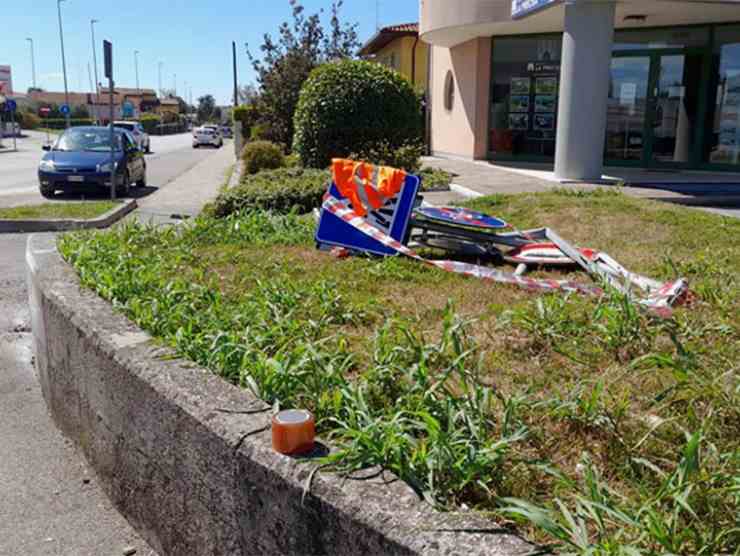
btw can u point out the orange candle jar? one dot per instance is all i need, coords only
(293, 431)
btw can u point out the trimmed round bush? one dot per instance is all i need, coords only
(262, 155)
(350, 106)
(283, 190)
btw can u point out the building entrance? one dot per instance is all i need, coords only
(654, 110)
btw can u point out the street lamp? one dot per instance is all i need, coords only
(174, 83)
(95, 65)
(136, 67)
(159, 66)
(33, 62)
(64, 62)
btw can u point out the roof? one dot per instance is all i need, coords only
(170, 101)
(135, 92)
(388, 34)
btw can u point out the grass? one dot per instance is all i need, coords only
(591, 426)
(83, 210)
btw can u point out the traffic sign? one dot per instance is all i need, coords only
(128, 109)
(44, 111)
(10, 105)
(64, 109)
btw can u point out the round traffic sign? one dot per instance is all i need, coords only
(64, 109)
(44, 111)
(10, 105)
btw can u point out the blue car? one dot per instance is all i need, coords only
(80, 161)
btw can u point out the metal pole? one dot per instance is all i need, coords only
(112, 144)
(95, 65)
(64, 62)
(160, 78)
(136, 67)
(174, 83)
(12, 128)
(236, 88)
(33, 62)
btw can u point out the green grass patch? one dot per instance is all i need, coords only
(83, 210)
(591, 425)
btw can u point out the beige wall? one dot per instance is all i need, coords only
(399, 54)
(462, 130)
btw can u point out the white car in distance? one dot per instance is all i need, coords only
(207, 135)
(137, 130)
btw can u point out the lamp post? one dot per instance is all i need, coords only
(159, 66)
(95, 66)
(174, 83)
(33, 62)
(136, 68)
(64, 62)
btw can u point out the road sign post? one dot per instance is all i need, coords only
(44, 113)
(11, 107)
(108, 61)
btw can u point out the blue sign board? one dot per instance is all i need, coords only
(10, 105)
(128, 109)
(64, 109)
(521, 8)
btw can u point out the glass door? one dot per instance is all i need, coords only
(673, 108)
(652, 114)
(627, 108)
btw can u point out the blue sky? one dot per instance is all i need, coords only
(191, 37)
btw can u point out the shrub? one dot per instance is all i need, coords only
(29, 120)
(435, 179)
(150, 122)
(283, 190)
(261, 132)
(405, 157)
(262, 155)
(248, 115)
(354, 106)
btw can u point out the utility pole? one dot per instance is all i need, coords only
(95, 66)
(33, 62)
(89, 76)
(64, 62)
(136, 67)
(236, 87)
(159, 66)
(174, 83)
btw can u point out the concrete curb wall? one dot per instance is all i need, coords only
(193, 479)
(64, 224)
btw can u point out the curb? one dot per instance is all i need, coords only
(64, 224)
(186, 457)
(465, 191)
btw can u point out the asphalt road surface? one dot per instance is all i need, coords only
(171, 156)
(50, 502)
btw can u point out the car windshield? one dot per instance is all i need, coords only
(87, 139)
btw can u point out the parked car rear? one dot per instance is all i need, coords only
(207, 135)
(137, 130)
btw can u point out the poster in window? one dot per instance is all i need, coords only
(546, 86)
(519, 103)
(544, 103)
(519, 121)
(520, 85)
(544, 122)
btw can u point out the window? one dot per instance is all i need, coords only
(724, 145)
(524, 95)
(449, 92)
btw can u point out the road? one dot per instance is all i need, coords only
(50, 502)
(171, 156)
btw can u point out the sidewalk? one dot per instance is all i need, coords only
(479, 177)
(186, 196)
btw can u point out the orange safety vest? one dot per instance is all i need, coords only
(366, 186)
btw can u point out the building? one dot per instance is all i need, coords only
(398, 47)
(580, 84)
(127, 102)
(168, 106)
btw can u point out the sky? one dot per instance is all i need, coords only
(192, 38)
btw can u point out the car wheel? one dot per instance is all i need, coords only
(142, 181)
(47, 191)
(124, 188)
(148, 147)
(195, 145)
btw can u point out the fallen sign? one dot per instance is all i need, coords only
(370, 209)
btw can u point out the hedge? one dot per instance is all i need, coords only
(351, 106)
(248, 115)
(262, 155)
(283, 190)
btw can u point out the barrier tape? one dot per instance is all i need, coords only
(660, 296)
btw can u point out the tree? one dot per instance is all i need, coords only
(248, 94)
(286, 63)
(206, 106)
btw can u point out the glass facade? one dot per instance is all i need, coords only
(724, 139)
(524, 96)
(674, 97)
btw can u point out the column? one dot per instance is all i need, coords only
(584, 88)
